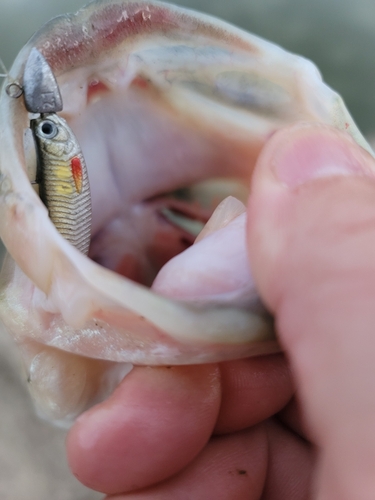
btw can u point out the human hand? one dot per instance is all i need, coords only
(233, 431)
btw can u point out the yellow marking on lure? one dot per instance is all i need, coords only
(63, 184)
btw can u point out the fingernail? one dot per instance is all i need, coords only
(312, 154)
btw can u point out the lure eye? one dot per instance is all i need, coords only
(48, 129)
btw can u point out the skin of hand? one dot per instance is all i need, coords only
(234, 430)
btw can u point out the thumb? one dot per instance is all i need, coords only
(312, 249)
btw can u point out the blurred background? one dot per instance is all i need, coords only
(338, 35)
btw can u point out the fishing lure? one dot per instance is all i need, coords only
(61, 169)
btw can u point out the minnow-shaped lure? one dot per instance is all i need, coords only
(61, 169)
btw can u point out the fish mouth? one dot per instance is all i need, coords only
(171, 109)
(156, 177)
(153, 123)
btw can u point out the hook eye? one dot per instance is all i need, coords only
(14, 90)
(47, 129)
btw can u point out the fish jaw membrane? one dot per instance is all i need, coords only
(163, 101)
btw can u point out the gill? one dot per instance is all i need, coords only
(61, 172)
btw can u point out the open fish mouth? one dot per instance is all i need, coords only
(171, 109)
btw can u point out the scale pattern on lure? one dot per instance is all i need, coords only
(61, 170)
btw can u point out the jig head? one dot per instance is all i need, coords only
(40, 88)
(61, 169)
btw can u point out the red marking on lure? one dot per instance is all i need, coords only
(77, 173)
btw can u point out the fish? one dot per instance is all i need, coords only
(171, 109)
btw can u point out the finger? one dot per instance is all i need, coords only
(266, 461)
(232, 466)
(152, 426)
(290, 465)
(291, 416)
(312, 244)
(213, 270)
(253, 389)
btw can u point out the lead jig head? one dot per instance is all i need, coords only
(40, 88)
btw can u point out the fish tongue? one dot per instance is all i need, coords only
(216, 268)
